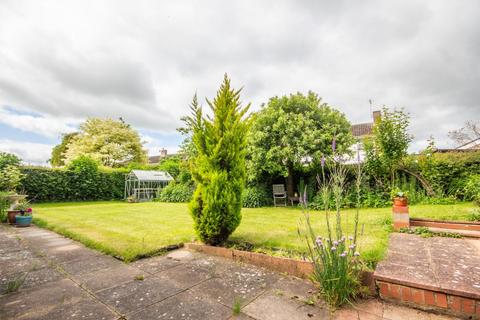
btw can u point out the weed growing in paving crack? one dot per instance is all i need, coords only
(15, 284)
(237, 306)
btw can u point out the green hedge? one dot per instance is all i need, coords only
(45, 184)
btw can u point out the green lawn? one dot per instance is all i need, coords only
(132, 230)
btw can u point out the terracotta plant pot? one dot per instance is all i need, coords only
(11, 216)
(400, 201)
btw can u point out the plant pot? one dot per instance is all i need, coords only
(23, 221)
(400, 201)
(11, 216)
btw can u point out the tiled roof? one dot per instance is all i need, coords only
(154, 159)
(362, 129)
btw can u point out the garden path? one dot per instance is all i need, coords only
(62, 279)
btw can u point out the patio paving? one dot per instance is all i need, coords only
(442, 264)
(62, 279)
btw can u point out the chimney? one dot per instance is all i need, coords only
(377, 115)
(163, 153)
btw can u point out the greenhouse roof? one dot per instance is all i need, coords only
(150, 175)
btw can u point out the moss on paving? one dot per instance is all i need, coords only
(133, 230)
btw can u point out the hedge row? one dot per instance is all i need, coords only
(44, 184)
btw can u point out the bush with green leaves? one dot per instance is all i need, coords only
(4, 204)
(255, 197)
(218, 166)
(176, 192)
(472, 187)
(53, 184)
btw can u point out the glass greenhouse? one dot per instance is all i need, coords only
(143, 185)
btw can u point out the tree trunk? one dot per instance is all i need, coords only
(422, 180)
(290, 180)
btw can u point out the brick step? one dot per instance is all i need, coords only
(461, 225)
(429, 300)
(438, 273)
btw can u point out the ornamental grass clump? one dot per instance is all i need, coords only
(335, 256)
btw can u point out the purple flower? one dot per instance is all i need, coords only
(323, 161)
(334, 248)
(352, 246)
(342, 239)
(350, 238)
(334, 144)
(335, 243)
(319, 242)
(344, 254)
(356, 254)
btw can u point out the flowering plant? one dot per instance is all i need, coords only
(335, 256)
(24, 208)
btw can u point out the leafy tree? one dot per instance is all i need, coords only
(291, 129)
(389, 146)
(10, 175)
(83, 177)
(218, 166)
(7, 159)
(58, 152)
(112, 143)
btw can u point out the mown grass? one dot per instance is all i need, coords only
(133, 230)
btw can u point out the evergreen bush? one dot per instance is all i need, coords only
(218, 166)
(176, 192)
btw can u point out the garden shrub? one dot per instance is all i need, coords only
(255, 197)
(176, 192)
(218, 166)
(472, 187)
(47, 184)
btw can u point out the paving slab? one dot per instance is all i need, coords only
(273, 306)
(107, 278)
(132, 296)
(186, 306)
(156, 264)
(239, 282)
(89, 264)
(40, 301)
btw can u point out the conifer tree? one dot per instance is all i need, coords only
(218, 164)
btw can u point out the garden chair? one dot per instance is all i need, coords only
(279, 193)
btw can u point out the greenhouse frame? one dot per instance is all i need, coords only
(144, 185)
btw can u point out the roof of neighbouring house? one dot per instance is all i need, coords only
(362, 129)
(471, 145)
(151, 175)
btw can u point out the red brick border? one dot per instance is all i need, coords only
(430, 300)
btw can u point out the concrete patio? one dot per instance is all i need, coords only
(62, 279)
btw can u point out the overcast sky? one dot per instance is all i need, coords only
(63, 61)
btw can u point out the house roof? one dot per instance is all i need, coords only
(151, 175)
(471, 145)
(362, 129)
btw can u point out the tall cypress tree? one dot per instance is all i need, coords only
(218, 166)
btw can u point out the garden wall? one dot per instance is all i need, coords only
(45, 184)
